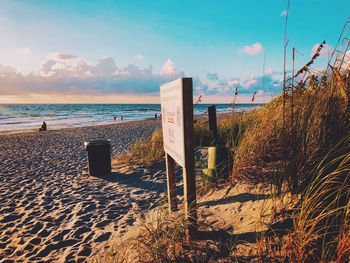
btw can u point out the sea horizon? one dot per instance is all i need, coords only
(17, 117)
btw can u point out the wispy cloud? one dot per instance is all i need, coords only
(212, 76)
(254, 49)
(138, 56)
(248, 83)
(269, 83)
(23, 51)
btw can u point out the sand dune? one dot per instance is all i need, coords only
(51, 210)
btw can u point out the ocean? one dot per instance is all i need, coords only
(23, 117)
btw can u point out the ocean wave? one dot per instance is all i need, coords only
(141, 110)
(61, 116)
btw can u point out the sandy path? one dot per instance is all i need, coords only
(50, 211)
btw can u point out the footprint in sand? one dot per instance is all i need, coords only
(103, 237)
(28, 247)
(3, 245)
(84, 252)
(7, 226)
(37, 227)
(43, 233)
(88, 238)
(35, 241)
(11, 218)
(102, 224)
(56, 246)
(7, 210)
(27, 219)
(80, 231)
(60, 236)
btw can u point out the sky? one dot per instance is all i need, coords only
(122, 51)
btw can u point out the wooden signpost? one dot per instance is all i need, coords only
(177, 123)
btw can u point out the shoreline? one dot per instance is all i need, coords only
(20, 124)
(31, 131)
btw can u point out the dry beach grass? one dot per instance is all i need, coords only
(297, 149)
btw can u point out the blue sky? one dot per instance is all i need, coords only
(200, 38)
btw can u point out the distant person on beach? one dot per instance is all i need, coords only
(121, 118)
(43, 127)
(114, 118)
(155, 116)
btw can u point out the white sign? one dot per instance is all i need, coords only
(171, 99)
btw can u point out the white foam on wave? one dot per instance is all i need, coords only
(17, 118)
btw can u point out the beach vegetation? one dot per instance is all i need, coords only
(145, 151)
(298, 144)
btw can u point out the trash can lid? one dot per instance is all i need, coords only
(96, 143)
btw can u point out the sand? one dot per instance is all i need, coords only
(51, 210)
(237, 214)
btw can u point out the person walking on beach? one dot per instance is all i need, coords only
(122, 119)
(155, 116)
(114, 118)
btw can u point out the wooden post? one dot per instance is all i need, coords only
(171, 182)
(213, 128)
(189, 171)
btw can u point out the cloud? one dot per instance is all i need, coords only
(246, 84)
(61, 56)
(284, 13)
(269, 83)
(105, 67)
(64, 74)
(212, 76)
(65, 65)
(23, 51)
(253, 50)
(68, 74)
(4, 70)
(138, 56)
(169, 69)
(270, 72)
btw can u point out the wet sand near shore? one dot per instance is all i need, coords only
(52, 211)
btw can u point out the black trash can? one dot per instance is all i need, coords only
(99, 157)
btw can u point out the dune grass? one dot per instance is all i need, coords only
(323, 223)
(302, 143)
(286, 144)
(161, 238)
(145, 151)
(231, 128)
(306, 147)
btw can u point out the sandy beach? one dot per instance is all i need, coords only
(51, 210)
